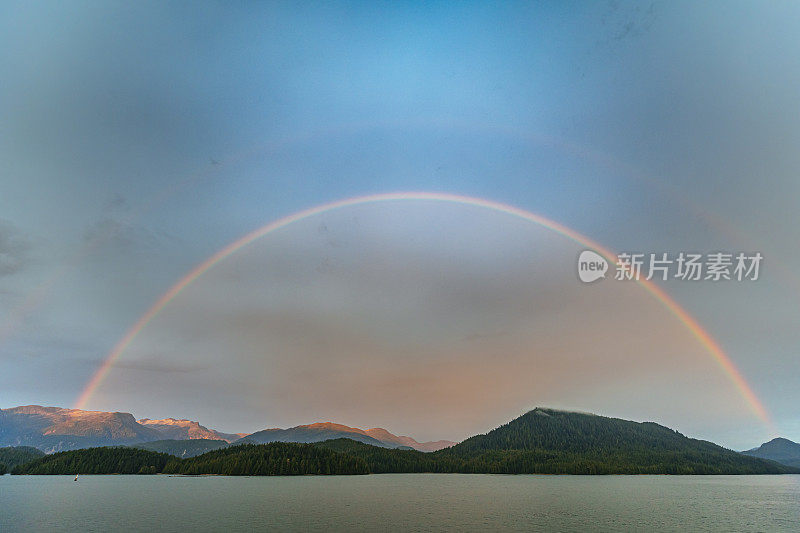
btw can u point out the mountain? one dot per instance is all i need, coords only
(311, 433)
(53, 429)
(779, 450)
(553, 441)
(322, 431)
(181, 429)
(386, 437)
(182, 448)
(542, 441)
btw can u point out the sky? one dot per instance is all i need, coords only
(138, 139)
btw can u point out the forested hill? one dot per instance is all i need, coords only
(182, 448)
(779, 450)
(567, 431)
(276, 458)
(551, 441)
(108, 460)
(11, 456)
(272, 459)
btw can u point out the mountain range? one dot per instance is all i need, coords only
(322, 431)
(54, 429)
(542, 441)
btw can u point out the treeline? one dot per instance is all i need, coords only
(385, 460)
(182, 448)
(344, 456)
(107, 460)
(548, 462)
(273, 459)
(12, 456)
(539, 461)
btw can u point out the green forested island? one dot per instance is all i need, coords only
(542, 441)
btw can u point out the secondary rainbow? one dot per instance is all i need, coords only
(705, 339)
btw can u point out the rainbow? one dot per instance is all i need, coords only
(705, 339)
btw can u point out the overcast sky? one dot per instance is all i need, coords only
(137, 139)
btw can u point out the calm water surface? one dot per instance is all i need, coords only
(402, 502)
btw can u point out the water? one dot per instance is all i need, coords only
(403, 502)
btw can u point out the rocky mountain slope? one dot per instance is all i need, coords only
(54, 429)
(181, 429)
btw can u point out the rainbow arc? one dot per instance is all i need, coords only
(706, 340)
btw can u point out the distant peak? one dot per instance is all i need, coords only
(330, 425)
(547, 411)
(170, 421)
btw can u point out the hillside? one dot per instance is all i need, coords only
(310, 433)
(12, 456)
(53, 429)
(182, 448)
(322, 431)
(277, 458)
(182, 429)
(105, 460)
(552, 441)
(408, 442)
(395, 460)
(779, 450)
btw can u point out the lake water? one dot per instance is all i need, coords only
(403, 502)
